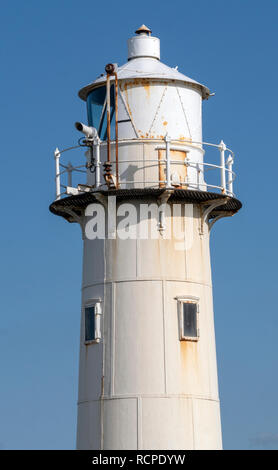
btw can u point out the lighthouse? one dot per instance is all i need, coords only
(146, 191)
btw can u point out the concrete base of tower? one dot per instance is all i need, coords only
(149, 422)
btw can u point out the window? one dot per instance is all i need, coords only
(95, 103)
(188, 319)
(92, 323)
(97, 116)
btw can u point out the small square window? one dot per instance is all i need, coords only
(188, 319)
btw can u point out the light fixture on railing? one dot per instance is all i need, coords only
(90, 132)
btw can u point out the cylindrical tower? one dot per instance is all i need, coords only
(148, 372)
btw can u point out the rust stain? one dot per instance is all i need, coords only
(136, 81)
(124, 86)
(145, 82)
(141, 83)
(147, 135)
(161, 168)
(189, 355)
(183, 138)
(147, 89)
(191, 369)
(126, 98)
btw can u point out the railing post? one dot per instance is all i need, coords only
(222, 148)
(97, 162)
(69, 172)
(168, 161)
(230, 162)
(57, 175)
(108, 115)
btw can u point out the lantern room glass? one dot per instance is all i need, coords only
(97, 112)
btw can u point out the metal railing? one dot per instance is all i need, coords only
(66, 169)
(225, 168)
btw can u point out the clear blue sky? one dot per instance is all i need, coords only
(49, 50)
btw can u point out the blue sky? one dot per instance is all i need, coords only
(48, 51)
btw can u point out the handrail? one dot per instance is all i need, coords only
(227, 175)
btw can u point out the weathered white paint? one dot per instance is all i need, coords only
(141, 387)
(156, 109)
(139, 164)
(143, 45)
(148, 389)
(154, 100)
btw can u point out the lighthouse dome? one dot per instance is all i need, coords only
(144, 62)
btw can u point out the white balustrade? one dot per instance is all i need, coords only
(225, 168)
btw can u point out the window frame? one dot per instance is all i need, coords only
(97, 304)
(183, 300)
(102, 127)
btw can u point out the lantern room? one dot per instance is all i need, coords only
(144, 130)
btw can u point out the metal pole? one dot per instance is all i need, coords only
(116, 130)
(108, 115)
(168, 162)
(230, 162)
(222, 148)
(97, 144)
(57, 177)
(69, 171)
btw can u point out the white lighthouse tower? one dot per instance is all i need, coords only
(148, 372)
